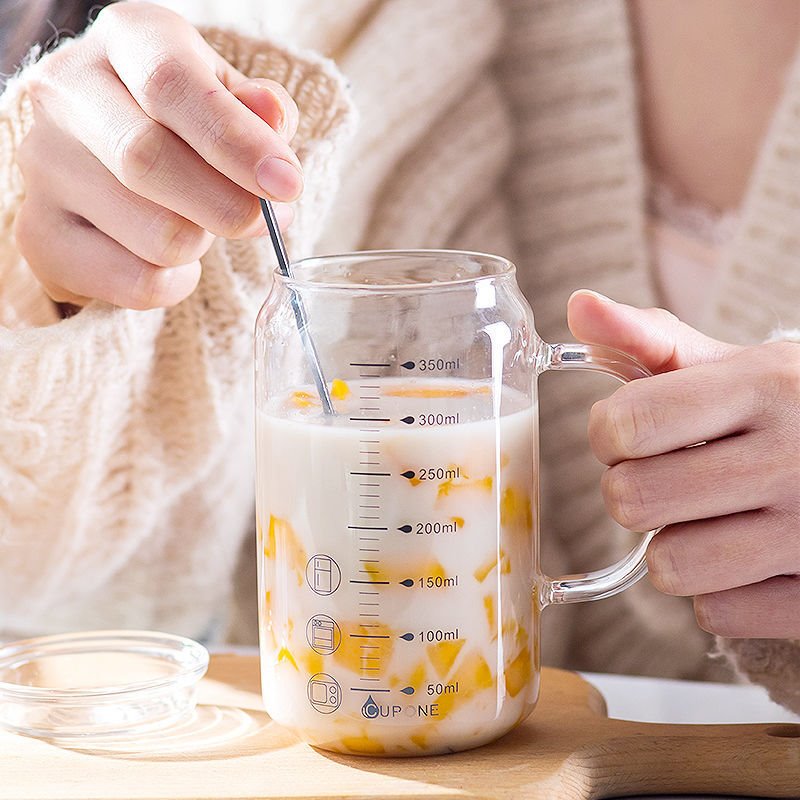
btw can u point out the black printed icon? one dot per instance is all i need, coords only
(323, 634)
(323, 574)
(324, 693)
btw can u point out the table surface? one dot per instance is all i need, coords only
(663, 700)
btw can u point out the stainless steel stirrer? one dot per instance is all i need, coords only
(285, 268)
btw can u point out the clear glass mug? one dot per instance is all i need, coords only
(399, 581)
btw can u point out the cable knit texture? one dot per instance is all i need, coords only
(502, 125)
(126, 437)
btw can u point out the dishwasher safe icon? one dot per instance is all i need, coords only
(324, 693)
(323, 574)
(323, 634)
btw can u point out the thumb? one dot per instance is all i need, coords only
(654, 336)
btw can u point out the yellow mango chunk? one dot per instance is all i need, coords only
(473, 676)
(301, 399)
(417, 676)
(488, 605)
(362, 744)
(311, 661)
(446, 488)
(376, 654)
(477, 672)
(515, 511)
(282, 543)
(518, 673)
(443, 654)
(483, 571)
(372, 571)
(459, 521)
(435, 570)
(420, 740)
(339, 390)
(485, 568)
(437, 392)
(285, 655)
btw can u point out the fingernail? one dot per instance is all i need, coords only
(279, 178)
(281, 123)
(601, 297)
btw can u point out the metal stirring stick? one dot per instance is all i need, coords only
(285, 268)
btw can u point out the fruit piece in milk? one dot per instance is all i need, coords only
(396, 565)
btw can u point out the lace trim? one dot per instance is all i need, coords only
(690, 217)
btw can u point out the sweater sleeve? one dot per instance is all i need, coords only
(771, 663)
(125, 435)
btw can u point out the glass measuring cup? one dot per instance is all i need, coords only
(399, 581)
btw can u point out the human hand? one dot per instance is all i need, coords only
(731, 506)
(145, 145)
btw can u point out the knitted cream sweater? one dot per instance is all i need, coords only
(126, 437)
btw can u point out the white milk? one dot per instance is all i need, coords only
(353, 659)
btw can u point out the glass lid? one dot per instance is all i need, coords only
(98, 684)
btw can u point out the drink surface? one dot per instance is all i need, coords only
(396, 565)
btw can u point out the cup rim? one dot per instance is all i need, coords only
(506, 269)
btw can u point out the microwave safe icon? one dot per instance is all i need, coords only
(324, 693)
(323, 574)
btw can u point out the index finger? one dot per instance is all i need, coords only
(667, 412)
(173, 75)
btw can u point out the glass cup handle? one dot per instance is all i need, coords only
(606, 582)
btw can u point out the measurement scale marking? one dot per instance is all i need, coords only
(369, 507)
(367, 364)
(365, 528)
(374, 474)
(362, 689)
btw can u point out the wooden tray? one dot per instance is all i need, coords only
(567, 750)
